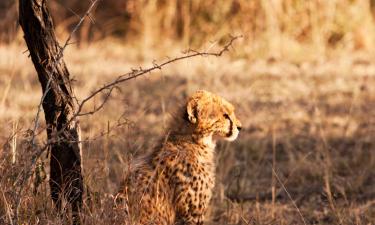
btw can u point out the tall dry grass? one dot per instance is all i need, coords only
(272, 28)
(312, 123)
(302, 79)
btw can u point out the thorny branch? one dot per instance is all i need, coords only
(36, 120)
(139, 72)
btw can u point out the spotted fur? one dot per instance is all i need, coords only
(173, 184)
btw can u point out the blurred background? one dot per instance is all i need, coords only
(280, 28)
(302, 79)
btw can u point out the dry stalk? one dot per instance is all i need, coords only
(14, 142)
(289, 196)
(273, 189)
(327, 167)
(8, 208)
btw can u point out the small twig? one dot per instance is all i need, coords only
(36, 120)
(69, 9)
(76, 28)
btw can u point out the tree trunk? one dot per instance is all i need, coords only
(58, 105)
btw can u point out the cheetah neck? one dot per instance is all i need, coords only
(208, 141)
(186, 133)
(181, 130)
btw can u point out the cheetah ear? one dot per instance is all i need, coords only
(192, 111)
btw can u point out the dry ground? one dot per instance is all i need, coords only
(313, 122)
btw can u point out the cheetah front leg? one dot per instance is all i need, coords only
(191, 204)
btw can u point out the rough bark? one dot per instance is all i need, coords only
(58, 104)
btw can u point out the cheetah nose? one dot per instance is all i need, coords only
(239, 128)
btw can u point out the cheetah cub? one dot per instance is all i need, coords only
(173, 184)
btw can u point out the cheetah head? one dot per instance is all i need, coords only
(212, 115)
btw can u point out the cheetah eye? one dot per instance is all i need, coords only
(226, 116)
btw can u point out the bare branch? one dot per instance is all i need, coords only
(36, 121)
(139, 72)
(76, 28)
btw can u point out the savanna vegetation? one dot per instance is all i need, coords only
(302, 78)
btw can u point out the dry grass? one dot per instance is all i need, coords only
(278, 28)
(312, 121)
(302, 80)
